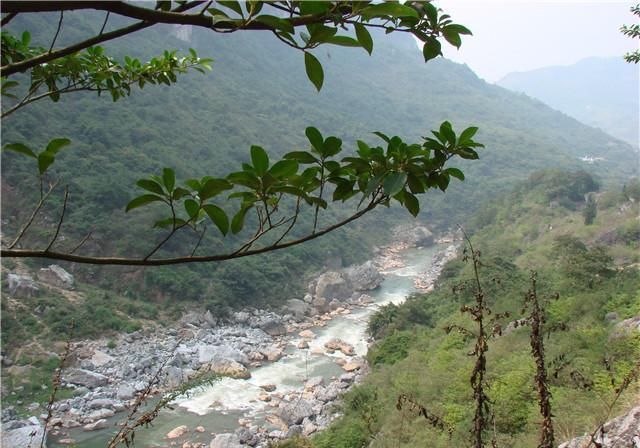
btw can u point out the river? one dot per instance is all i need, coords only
(218, 407)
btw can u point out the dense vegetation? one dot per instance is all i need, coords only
(594, 270)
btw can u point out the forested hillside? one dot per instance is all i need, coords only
(579, 90)
(588, 285)
(258, 94)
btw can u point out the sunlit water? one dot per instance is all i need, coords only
(219, 406)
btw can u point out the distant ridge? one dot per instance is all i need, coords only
(600, 92)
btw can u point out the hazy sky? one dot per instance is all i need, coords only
(519, 35)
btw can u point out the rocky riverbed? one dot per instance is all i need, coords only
(108, 376)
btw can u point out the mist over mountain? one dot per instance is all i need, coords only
(601, 92)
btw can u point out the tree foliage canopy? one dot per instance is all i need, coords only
(274, 193)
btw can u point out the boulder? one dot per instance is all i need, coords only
(226, 441)
(297, 308)
(100, 358)
(418, 236)
(178, 432)
(627, 326)
(354, 364)
(338, 344)
(364, 277)
(22, 286)
(295, 412)
(100, 414)
(320, 304)
(619, 432)
(272, 353)
(101, 403)
(209, 353)
(334, 285)
(125, 392)
(230, 368)
(87, 378)
(28, 435)
(302, 345)
(56, 276)
(273, 327)
(307, 334)
(100, 424)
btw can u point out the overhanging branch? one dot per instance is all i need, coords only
(24, 253)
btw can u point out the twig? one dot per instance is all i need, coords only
(32, 217)
(84, 240)
(104, 24)
(293, 223)
(199, 241)
(64, 209)
(55, 37)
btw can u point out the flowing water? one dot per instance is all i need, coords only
(219, 406)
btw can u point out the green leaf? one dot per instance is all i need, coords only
(180, 192)
(447, 132)
(45, 160)
(276, 23)
(260, 159)
(467, 135)
(315, 138)
(415, 184)
(194, 184)
(388, 9)
(431, 49)
(332, 146)
(363, 149)
(343, 41)
(455, 172)
(452, 37)
(168, 178)
(394, 183)
(467, 153)
(314, 70)
(142, 200)
(151, 186)
(235, 6)
(168, 222)
(320, 34)
(238, 220)
(213, 187)
(218, 216)
(364, 37)
(411, 203)
(192, 208)
(382, 136)
(301, 157)
(57, 144)
(284, 168)
(22, 149)
(244, 178)
(460, 29)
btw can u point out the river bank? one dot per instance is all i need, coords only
(283, 370)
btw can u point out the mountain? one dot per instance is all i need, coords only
(601, 92)
(258, 94)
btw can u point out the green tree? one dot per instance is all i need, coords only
(590, 211)
(270, 195)
(632, 31)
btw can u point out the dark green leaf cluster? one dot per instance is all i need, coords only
(398, 172)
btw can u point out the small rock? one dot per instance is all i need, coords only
(100, 424)
(268, 387)
(177, 432)
(200, 429)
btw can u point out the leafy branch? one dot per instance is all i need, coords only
(374, 175)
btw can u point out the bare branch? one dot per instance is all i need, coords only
(104, 24)
(32, 217)
(81, 243)
(199, 241)
(64, 209)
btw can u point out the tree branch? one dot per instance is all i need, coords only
(10, 69)
(8, 18)
(20, 253)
